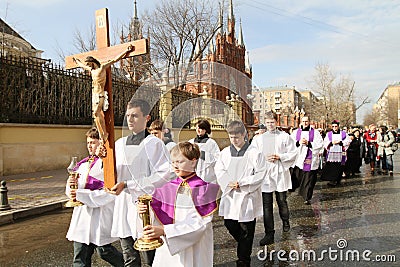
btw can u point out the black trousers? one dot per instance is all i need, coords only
(269, 210)
(243, 233)
(134, 258)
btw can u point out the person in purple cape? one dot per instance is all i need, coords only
(183, 211)
(309, 145)
(90, 227)
(336, 143)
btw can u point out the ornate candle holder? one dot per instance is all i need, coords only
(144, 244)
(74, 174)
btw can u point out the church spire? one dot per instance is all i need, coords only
(135, 25)
(230, 13)
(231, 22)
(220, 20)
(197, 49)
(240, 39)
(135, 10)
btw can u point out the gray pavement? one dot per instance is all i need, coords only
(360, 216)
(34, 193)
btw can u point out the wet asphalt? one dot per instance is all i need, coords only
(355, 224)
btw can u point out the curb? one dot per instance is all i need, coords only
(14, 215)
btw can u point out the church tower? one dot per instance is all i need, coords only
(230, 51)
(136, 68)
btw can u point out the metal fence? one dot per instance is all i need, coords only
(181, 116)
(41, 93)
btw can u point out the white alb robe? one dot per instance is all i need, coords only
(205, 168)
(143, 167)
(189, 241)
(317, 147)
(243, 204)
(91, 223)
(277, 175)
(335, 152)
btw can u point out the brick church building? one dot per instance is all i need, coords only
(225, 69)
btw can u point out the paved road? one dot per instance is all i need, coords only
(360, 217)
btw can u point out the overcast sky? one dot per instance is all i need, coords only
(286, 39)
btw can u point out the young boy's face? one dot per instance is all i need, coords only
(237, 140)
(270, 124)
(157, 133)
(181, 165)
(136, 120)
(92, 144)
(199, 131)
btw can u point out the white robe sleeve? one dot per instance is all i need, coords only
(159, 171)
(221, 171)
(94, 198)
(289, 153)
(318, 143)
(182, 235)
(252, 182)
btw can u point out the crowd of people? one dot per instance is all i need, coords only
(189, 181)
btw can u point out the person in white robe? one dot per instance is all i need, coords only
(90, 227)
(309, 145)
(142, 164)
(240, 172)
(183, 211)
(336, 143)
(157, 129)
(279, 150)
(209, 151)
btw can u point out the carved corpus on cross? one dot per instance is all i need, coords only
(104, 54)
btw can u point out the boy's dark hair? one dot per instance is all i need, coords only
(270, 115)
(92, 60)
(142, 104)
(236, 127)
(93, 133)
(187, 149)
(205, 125)
(156, 125)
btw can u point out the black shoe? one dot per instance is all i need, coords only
(268, 239)
(391, 173)
(307, 202)
(286, 226)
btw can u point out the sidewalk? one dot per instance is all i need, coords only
(34, 193)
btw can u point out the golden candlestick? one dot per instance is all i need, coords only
(74, 174)
(144, 244)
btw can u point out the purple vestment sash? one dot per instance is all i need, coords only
(91, 182)
(308, 159)
(343, 133)
(204, 197)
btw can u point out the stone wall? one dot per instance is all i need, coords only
(26, 148)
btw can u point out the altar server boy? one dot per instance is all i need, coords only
(280, 152)
(183, 210)
(142, 163)
(240, 172)
(90, 226)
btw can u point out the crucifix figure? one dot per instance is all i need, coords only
(99, 62)
(100, 101)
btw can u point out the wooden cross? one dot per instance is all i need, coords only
(103, 53)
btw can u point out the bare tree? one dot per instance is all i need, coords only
(338, 99)
(175, 28)
(370, 118)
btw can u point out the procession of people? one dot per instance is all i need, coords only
(191, 181)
